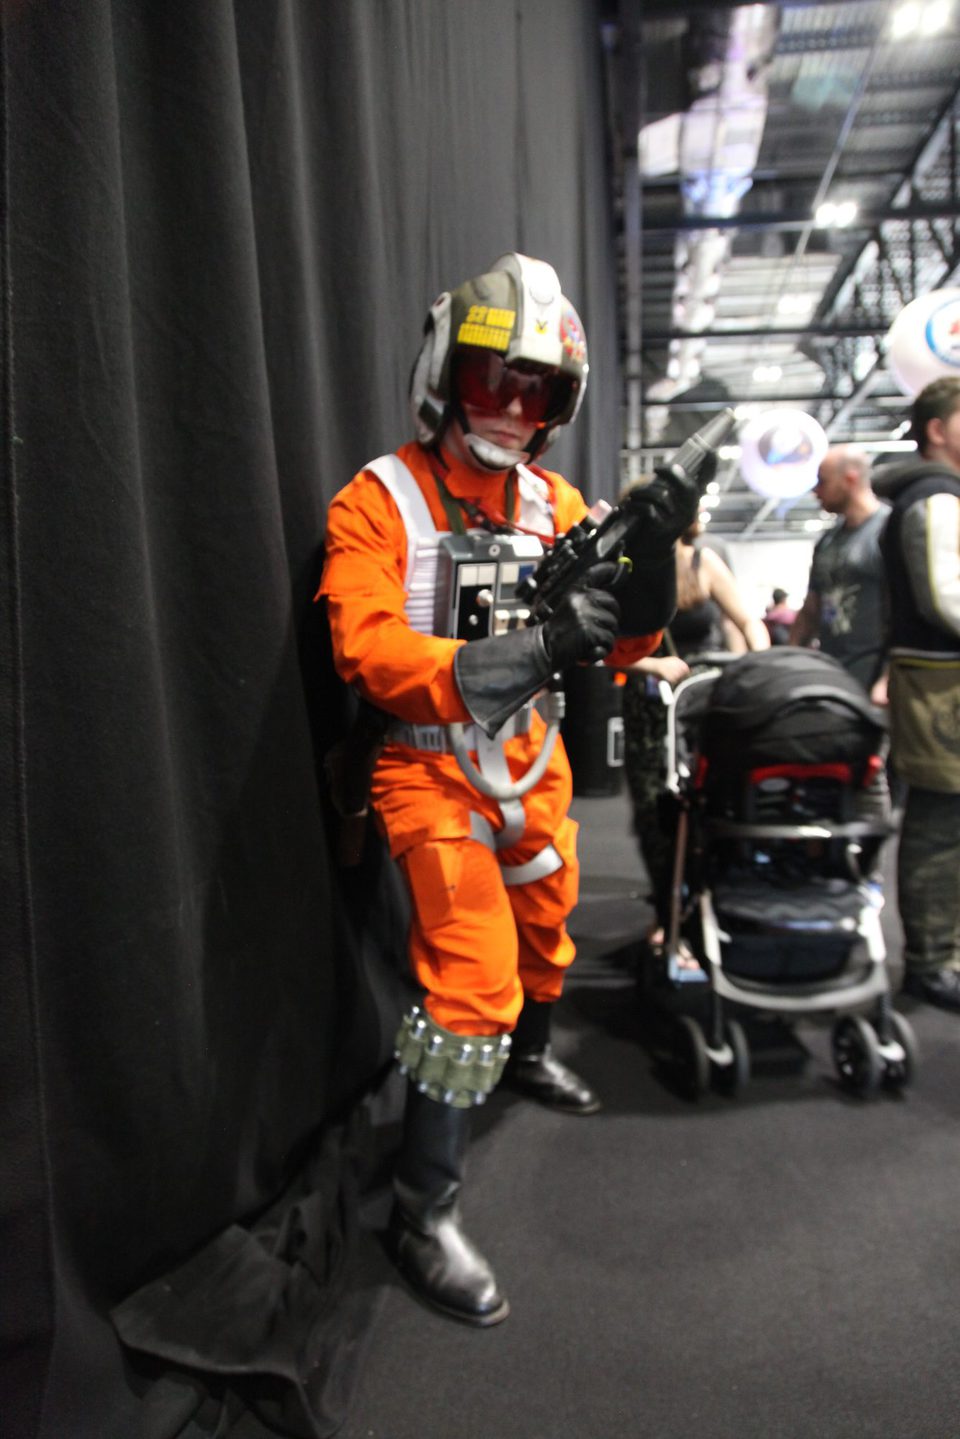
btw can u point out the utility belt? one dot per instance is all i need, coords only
(435, 738)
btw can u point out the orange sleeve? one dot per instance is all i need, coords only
(404, 672)
(633, 647)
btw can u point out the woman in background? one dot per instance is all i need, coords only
(709, 606)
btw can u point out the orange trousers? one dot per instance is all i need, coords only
(477, 945)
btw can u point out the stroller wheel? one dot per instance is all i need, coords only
(690, 1057)
(856, 1054)
(900, 1072)
(731, 1078)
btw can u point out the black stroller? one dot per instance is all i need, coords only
(776, 788)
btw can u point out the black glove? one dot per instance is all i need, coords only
(585, 624)
(669, 505)
(495, 676)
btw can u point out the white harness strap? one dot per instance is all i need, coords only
(421, 578)
(493, 765)
(535, 511)
(546, 862)
(395, 476)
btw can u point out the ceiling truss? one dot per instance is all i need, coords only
(849, 114)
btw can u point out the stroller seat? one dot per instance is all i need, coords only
(811, 905)
(790, 932)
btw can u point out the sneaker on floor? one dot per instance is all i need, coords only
(937, 986)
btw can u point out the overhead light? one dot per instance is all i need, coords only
(811, 526)
(832, 215)
(919, 19)
(935, 17)
(725, 452)
(795, 304)
(709, 502)
(906, 21)
(704, 517)
(767, 374)
(886, 447)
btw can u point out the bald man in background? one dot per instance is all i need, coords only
(845, 608)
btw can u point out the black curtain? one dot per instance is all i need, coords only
(223, 225)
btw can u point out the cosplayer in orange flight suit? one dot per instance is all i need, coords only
(492, 877)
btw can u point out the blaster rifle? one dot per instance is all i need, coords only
(591, 542)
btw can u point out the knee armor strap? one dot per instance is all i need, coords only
(455, 1069)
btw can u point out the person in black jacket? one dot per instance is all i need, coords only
(921, 553)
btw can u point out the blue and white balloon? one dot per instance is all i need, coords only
(923, 343)
(780, 453)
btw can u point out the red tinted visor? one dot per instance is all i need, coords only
(484, 380)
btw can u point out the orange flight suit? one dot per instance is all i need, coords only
(476, 945)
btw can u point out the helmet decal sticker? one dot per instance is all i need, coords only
(571, 336)
(487, 326)
(490, 315)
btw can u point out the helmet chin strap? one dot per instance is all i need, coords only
(493, 457)
(488, 456)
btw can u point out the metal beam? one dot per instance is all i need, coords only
(765, 509)
(748, 220)
(774, 398)
(942, 129)
(863, 389)
(852, 401)
(751, 332)
(819, 42)
(795, 171)
(675, 9)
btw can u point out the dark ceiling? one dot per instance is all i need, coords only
(730, 127)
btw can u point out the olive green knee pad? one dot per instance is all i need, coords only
(455, 1069)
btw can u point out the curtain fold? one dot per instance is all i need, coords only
(223, 226)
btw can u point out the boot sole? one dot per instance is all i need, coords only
(463, 1316)
(476, 1321)
(517, 1087)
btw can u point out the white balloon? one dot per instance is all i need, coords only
(780, 453)
(923, 343)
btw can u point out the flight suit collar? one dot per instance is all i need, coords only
(466, 483)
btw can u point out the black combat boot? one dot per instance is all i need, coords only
(424, 1236)
(534, 1070)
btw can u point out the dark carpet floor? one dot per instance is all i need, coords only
(783, 1265)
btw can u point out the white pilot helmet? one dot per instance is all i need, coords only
(517, 314)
